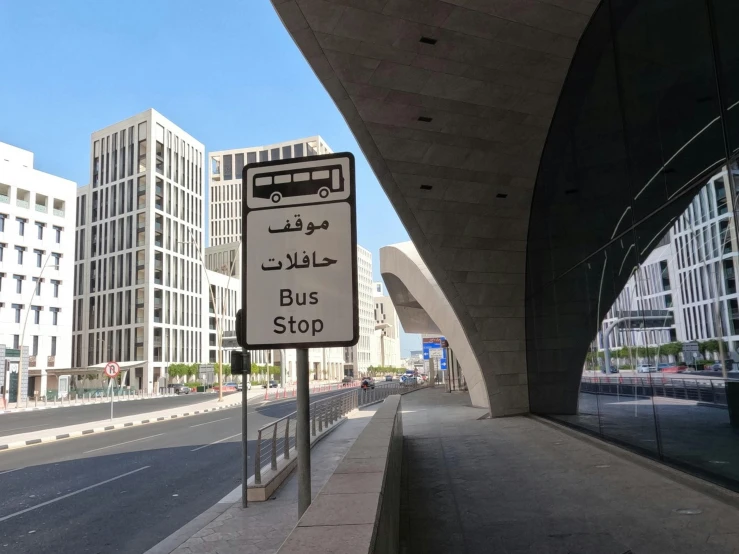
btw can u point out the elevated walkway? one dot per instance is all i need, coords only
(522, 485)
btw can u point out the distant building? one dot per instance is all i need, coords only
(693, 263)
(37, 217)
(386, 338)
(225, 168)
(359, 357)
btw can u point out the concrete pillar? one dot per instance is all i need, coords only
(44, 379)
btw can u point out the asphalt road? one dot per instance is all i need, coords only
(26, 422)
(126, 490)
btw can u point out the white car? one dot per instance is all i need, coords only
(646, 369)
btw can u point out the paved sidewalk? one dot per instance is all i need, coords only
(522, 485)
(264, 526)
(22, 440)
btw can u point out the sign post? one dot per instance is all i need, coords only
(299, 286)
(112, 369)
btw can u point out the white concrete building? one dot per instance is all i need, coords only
(696, 258)
(37, 214)
(139, 291)
(386, 338)
(359, 357)
(225, 181)
(224, 259)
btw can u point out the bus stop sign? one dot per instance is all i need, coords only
(299, 241)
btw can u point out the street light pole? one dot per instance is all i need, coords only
(23, 331)
(215, 311)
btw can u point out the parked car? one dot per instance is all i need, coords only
(239, 386)
(674, 369)
(232, 385)
(179, 388)
(271, 385)
(388, 377)
(612, 369)
(661, 367)
(646, 369)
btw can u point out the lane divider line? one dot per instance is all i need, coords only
(122, 443)
(209, 422)
(58, 498)
(211, 444)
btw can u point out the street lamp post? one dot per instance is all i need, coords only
(219, 327)
(25, 322)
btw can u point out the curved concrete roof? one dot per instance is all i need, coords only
(451, 102)
(422, 308)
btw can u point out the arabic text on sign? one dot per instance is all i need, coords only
(295, 263)
(298, 227)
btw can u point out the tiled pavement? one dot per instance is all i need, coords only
(521, 485)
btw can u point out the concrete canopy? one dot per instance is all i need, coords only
(451, 102)
(422, 308)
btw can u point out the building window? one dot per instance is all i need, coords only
(58, 232)
(227, 168)
(34, 349)
(39, 256)
(36, 314)
(55, 315)
(20, 250)
(17, 308)
(53, 346)
(264, 156)
(2, 222)
(18, 283)
(57, 258)
(55, 284)
(16, 341)
(21, 226)
(38, 285)
(2, 249)
(40, 227)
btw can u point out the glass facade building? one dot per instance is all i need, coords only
(646, 119)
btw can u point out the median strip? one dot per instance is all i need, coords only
(52, 435)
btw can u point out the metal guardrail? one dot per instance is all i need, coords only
(278, 438)
(710, 391)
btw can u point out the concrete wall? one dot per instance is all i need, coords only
(358, 510)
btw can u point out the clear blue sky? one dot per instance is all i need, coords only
(228, 73)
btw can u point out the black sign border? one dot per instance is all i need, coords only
(244, 248)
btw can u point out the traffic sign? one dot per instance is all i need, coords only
(299, 253)
(111, 369)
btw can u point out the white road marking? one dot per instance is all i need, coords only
(121, 443)
(208, 422)
(10, 470)
(57, 499)
(211, 444)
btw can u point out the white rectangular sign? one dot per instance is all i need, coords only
(299, 246)
(436, 353)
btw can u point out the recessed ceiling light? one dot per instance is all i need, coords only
(426, 187)
(501, 195)
(425, 119)
(428, 40)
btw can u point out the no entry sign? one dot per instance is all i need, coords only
(111, 369)
(299, 253)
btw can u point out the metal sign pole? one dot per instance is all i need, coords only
(302, 433)
(244, 440)
(111, 399)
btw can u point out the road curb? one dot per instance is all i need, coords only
(107, 428)
(70, 405)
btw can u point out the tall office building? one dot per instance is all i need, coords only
(386, 338)
(140, 297)
(225, 181)
(36, 268)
